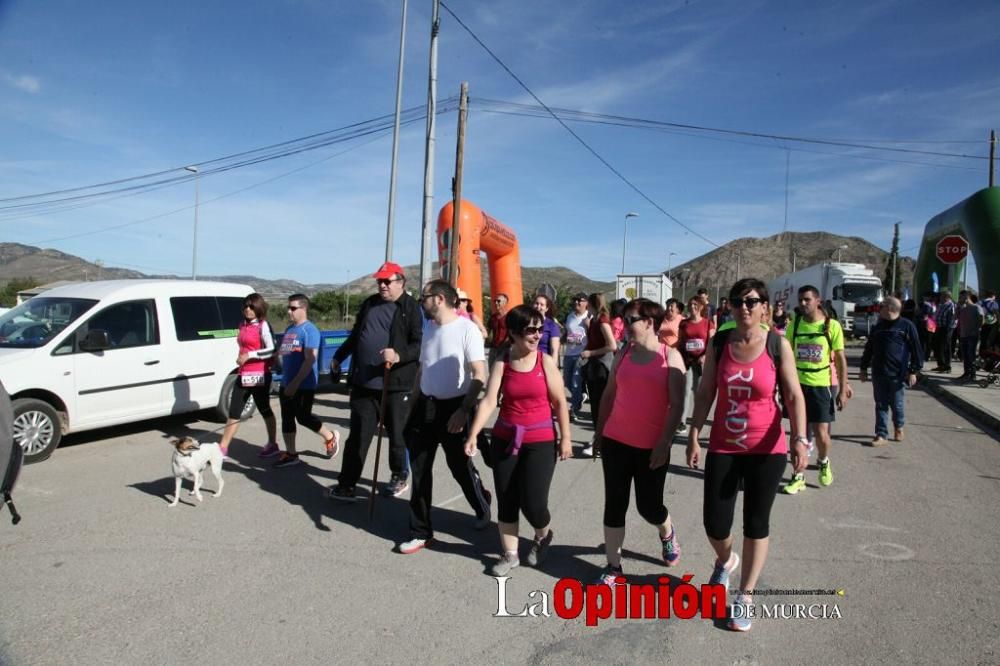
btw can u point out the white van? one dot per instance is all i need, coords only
(95, 354)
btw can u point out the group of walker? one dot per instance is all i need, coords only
(419, 367)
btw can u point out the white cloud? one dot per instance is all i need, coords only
(23, 82)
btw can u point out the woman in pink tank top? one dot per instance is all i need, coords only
(747, 445)
(523, 448)
(253, 379)
(640, 411)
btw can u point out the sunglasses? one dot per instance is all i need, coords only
(424, 297)
(751, 303)
(385, 282)
(631, 319)
(531, 330)
(293, 308)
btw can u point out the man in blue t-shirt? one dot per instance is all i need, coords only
(299, 376)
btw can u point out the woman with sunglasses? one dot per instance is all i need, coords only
(747, 445)
(639, 414)
(597, 357)
(549, 342)
(256, 348)
(523, 442)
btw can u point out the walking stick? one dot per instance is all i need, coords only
(378, 441)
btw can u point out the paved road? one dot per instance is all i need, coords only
(102, 571)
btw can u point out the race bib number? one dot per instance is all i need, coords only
(694, 346)
(809, 353)
(252, 379)
(574, 338)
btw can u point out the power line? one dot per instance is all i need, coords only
(576, 136)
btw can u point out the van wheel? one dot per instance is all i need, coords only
(222, 409)
(37, 429)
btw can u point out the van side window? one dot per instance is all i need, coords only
(206, 317)
(129, 324)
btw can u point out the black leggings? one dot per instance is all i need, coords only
(623, 463)
(298, 407)
(261, 396)
(522, 482)
(761, 474)
(595, 375)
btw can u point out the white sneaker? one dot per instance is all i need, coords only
(588, 451)
(412, 546)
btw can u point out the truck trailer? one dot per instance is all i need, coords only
(656, 287)
(845, 285)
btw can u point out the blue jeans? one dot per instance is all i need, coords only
(572, 380)
(888, 394)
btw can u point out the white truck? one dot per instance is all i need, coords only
(847, 286)
(656, 287)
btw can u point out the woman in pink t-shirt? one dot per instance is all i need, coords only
(523, 444)
(639, 413)
(747, 444)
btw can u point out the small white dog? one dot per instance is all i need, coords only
(190, 460)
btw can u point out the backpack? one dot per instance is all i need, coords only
(11, 455)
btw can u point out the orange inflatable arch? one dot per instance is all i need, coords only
(478, 232)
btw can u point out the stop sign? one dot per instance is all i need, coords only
(952, 249)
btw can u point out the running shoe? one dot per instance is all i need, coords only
(588, 450)
(503, 566)
(739, 613)
(270, 450)
(720, 574)
(413, 545)
(341, 493)
(671, 548)
(879, 441)
(825, 473)
(397, 486)
(682, 429)
(539, 550)
(287, 459)
(483, 521)
(333, 445)
(899, 435)
(797, 484)
(611, 576)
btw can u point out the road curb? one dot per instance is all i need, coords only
(986, 418)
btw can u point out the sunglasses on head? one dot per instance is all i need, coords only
(750, 302)
(631, 319)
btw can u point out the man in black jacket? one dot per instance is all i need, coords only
(387, 331)
(893, 353)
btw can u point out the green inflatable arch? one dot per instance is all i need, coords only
(978, 220)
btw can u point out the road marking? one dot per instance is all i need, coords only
(863, 525)
(893, 552)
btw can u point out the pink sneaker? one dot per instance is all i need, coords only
(333, 445)
(270, 450)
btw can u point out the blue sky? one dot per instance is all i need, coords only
(93, 92)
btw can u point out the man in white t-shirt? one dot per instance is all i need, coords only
(451, 376)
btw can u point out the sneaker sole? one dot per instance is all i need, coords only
(411, 551)
(738, 629)
(397, 493)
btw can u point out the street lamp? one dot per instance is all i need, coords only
(194, 240)
(668, 261)
(625, 238)
(839, 249)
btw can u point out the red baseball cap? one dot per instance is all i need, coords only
(388, 270)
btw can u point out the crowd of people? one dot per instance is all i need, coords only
(430, 371)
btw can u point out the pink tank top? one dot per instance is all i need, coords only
(249, 341)
(642, 400)
(525, 405)
(747, 418)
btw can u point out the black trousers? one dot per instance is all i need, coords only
(522, 482)
(760, 475)
(942, 348)
(624, 464)
(596, 377)
(298, 408)
(426, 428)
(365, 404)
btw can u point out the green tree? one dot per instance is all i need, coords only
(8, 294)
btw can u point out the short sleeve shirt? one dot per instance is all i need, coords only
(446, 357)
(294, 343)
(813, 352)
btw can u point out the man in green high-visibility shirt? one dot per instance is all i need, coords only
(816, 339)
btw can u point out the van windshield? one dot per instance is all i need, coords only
(36, 321)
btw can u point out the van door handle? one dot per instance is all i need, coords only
(150, 362)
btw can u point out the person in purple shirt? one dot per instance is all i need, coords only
(551, 334)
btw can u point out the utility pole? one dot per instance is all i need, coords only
(993, 153)
(895, 256)
(738, 258)
(395, 139)
(425, 236)
(463, 112)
